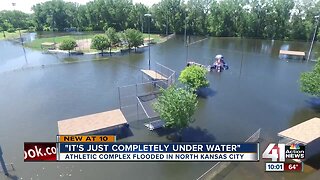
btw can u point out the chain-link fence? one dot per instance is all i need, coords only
(136, 100)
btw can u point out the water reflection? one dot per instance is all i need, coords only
(302, 115)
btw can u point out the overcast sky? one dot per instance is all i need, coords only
(25, 5)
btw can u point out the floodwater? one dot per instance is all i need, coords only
(258, 91)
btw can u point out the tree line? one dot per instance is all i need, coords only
(276, 19)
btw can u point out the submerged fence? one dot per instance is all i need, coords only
(135, 101)
(220, 166)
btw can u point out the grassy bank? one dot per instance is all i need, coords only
(12, 35)
(156, 37)
(36, 44)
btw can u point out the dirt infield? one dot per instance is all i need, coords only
(83, 45)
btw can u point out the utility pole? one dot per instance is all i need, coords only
(185, 27)
(314, 35)
(14, 5)
(186, 43)
(149, 15)
(167, 26)
(141, 23)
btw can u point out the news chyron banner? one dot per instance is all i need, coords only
(105, 148)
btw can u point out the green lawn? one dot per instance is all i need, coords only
(36, 44)
(11, 35)
(156, 37)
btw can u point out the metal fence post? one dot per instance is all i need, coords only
(3, 164)
(119, 97)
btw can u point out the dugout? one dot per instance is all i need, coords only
(136, 100)
(306, 133)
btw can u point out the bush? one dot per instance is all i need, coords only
(133, 37)
(88, 29)
(100, 42)
(11, 30)
(176, 107)
(194, 77)
(31, 29)
(310, 81)
(46, 28)
(68, 44)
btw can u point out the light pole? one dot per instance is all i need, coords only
(14, 5)
(185, 35)
(167, 19)
(148, 15)
(185, 27)
(141, 23)
(314, 35)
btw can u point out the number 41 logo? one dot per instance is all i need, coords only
(275, 152)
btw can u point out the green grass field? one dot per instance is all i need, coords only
(156, 37)
(36, 44)
(11, 35)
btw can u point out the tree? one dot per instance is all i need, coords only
(194, 77)
(57, 14)
(100, 42)
(310, 81)
(4, 35)
(14, 19)
(113, 37)
(134, 38)
(176, 107)
(68, 44)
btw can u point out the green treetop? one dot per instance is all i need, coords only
(134, 38)
(100, 42)
(194, 77)
(176, 107)
(68, 44)
(310, 81)
(112, 36)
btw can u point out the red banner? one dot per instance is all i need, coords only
(293, 167)
(40, 152)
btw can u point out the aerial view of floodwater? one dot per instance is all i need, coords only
(260, 90)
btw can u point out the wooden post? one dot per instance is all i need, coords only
(5, 170)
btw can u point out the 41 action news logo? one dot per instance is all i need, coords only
(281, 152)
